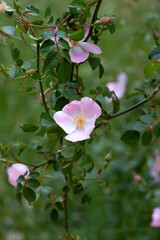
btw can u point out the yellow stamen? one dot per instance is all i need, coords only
(80, 120)
(72, 43)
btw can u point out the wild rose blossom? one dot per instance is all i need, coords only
(15, 171)
(155, 217)
(78, 118)
(118, 87)
(2, 6)
(79, 51)
(155, 170)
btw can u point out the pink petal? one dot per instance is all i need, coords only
(77, 54)
(15, 171)
(78, 135)
(90, 47)
(72, 109)
(64, 121)
(86, 31)
(89, 126)
(90, 109)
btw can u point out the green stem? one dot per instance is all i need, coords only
(40, 81)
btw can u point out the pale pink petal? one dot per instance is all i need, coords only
(155, 217)
(78, 135)
(89, 47)
(89, 126)
(73, 109)
(64, 121)
(77, 54)
(15, 171)
(86, 31)
(90, 109)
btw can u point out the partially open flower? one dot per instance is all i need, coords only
(78, 118)
(155, 217)
(15, 171)
(118, 87)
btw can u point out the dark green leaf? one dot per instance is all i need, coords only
(146, 118)
(78, 35)
(116, 104)
(130, 136)
(56, 165)
(70, 93)
(63, 43)
(47, 12)
(138, 126)
(61, 34)
(78, 189)
(29, 127)
(34, 174)
(77, 156)
(64, 71)
(92, 92)
(59, 205)
(47, 35)
(156, 129)
(15, 53)
(101, 70)
(32, 182)
(94, 62)
(154, 54)
(46, 119)
(60, 103)
(51, 60)
(34, 9)
(50, 21)
(29, 194)
(146, 137)
(78, 3)
(47, 46)
(54, 214)
(20, 179)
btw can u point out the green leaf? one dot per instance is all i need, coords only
(60, 103)
(70, 93)
(146, 118)
(33, 9)
(151, 68)
(111, 27)
(101, 70)
(56, 165)
(78, 35)
(46, 119)
(116, 104)
(77, 156)
(78, 189)
(61, 34)
(34, 174)
(32, 182)
(29, 194)
(146, 137)
(29, 127)
(154, 54)
(92, 92)
(47, 46)
(138, 126)
(20, 179)
(50, 21)
(51, 60)
(64, 71)
(8, 30)
(107, 92)
(47, 35)
(130, 137)
(15, 53)
(156, 129)
(47, 12)
(59, 205)
(63, 43)
(78, 3)
(54, 214)
(94, 62)
(13, 72)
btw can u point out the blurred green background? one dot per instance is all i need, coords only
(126, 214)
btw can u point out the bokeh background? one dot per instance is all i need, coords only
(126, 213)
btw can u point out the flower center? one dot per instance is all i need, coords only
(80, 120)
(2, 6)
(72, 43)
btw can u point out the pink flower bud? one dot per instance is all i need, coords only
(137, 178)
(155, 217)
(105, 20)
(15, 171)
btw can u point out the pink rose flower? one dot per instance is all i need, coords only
(155, 217)
(15, 171)
(155, 170)
(79, 51)
(78, 118)
(118, 87)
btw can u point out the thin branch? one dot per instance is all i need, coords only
(94, 18)
(40, 81)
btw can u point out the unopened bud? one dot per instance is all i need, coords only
(108, 157)
(41, 99)
(105, 20)
(137, 178)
